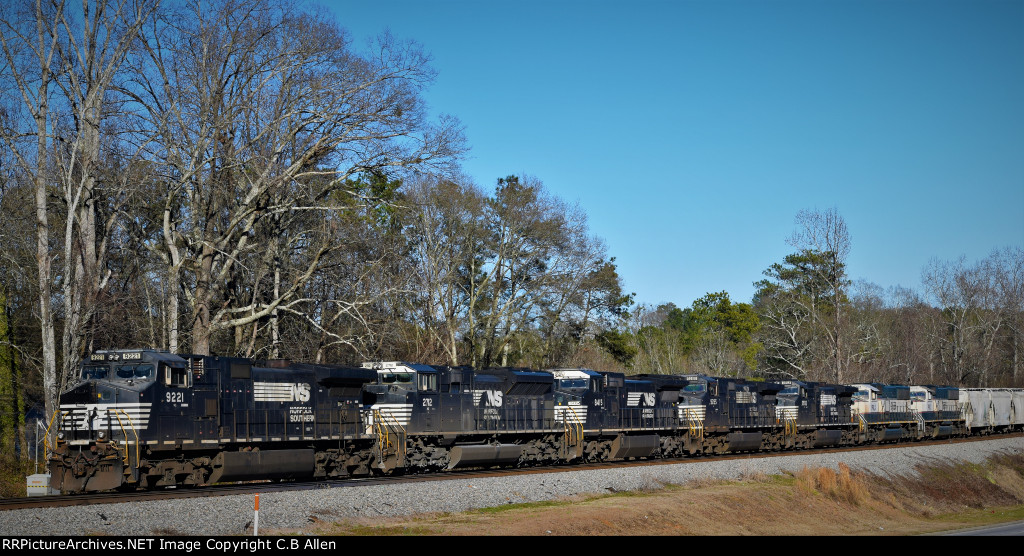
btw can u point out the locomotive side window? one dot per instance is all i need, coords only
(428, 382)
(176, 376)
(241, 370)
(94, 372)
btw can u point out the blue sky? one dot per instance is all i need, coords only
(692, 132)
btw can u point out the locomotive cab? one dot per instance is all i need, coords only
(575, 391)
(400, 387)
(936, 408)
(792, 403)
(116, 393)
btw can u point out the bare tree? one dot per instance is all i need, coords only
(96, 42)
(826, 233)
(30, 45)
(958, 292)
(54, 51)
(1007, 266)
(262, 110)
(448, 233)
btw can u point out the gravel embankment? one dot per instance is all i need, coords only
(233, 515)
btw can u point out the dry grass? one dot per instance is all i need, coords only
(12, 476)
(840, 486)
(812, 501)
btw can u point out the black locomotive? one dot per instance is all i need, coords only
(147, 419)
(142, 419)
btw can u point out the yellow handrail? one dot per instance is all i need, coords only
(696, 425)
(862, 425)
(572, 430)
(383, 432)
(125, 435)
(789, 424)
(46, 438)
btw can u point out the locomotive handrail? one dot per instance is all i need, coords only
(789, 426)
(573, 429)
(363, 426)
(131, 425)
(46, 437)
(921, 427)
(695, 423)
(383, 432)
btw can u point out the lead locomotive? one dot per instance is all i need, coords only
(144, 418)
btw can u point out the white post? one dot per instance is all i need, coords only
(256, 518)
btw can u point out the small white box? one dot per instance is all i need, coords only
(39, 485)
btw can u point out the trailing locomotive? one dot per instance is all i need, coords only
(140, 419)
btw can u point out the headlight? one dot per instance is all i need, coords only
(102, 435)
(60, 435)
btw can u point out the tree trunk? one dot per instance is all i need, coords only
(43, 254)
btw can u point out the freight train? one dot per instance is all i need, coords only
(146, 419)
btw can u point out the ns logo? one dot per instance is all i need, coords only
(641, 399)
(492, 398)
(300, 392)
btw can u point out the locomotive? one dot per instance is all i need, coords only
(143, 419)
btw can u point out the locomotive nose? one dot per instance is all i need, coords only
(81, 394)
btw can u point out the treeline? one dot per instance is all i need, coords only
(809, 321)
(239, 179)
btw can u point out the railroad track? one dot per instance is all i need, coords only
(265, 487)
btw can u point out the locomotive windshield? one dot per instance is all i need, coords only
(396, 378)
(142, 372)
(573, 383)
